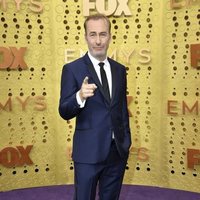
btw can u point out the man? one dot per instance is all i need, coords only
(96, 95)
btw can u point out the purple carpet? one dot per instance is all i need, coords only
(129, 192)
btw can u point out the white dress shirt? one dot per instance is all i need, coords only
(107, 69)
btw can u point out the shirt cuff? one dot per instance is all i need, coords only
(79, 101)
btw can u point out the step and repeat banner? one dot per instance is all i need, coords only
(157, 41)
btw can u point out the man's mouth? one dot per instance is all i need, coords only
(98, 48)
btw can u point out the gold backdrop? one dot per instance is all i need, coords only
(154, 39)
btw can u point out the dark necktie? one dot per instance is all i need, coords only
(104, 81)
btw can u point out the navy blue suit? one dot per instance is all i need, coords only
(100, 117)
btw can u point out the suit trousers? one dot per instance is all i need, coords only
(108, 175)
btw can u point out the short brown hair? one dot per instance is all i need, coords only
(97, 17)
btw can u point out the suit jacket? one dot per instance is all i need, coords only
(99, 118)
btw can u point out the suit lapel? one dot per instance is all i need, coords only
(92, 70)
(114, 79)
(94, 75)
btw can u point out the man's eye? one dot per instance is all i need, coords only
(103, 34)
(92, 35)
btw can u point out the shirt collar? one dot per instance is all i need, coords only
(95, 62)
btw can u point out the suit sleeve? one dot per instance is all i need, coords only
(68, 105)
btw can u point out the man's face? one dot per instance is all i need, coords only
(98, 38)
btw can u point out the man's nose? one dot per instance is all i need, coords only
(98, 39)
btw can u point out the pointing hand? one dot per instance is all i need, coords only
(87, 90)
